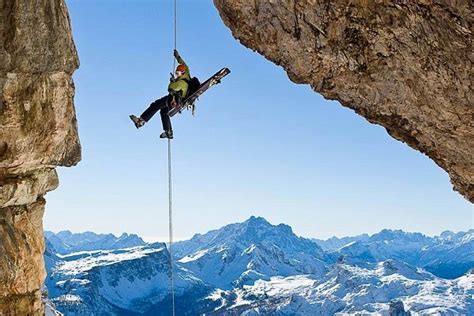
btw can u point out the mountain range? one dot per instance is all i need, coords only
(255, 267)
(449, 255)
(66, 242)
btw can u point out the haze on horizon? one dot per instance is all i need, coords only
(259, 144)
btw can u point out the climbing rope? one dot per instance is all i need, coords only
(175, 18)
(170, 225)
(170, 184)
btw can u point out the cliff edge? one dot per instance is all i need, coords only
(37, 133)
(405, 65)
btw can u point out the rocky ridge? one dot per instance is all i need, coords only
(405, 65)
(37, 133)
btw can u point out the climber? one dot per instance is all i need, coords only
(177, 92)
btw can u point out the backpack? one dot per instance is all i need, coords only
(193, 85)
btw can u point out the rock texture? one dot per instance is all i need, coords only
(406, 65)
(37, 133)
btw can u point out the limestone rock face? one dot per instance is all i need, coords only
(37, 133)
(406, 65)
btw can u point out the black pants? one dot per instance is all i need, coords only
(161, 104)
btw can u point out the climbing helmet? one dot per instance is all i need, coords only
(181, 69)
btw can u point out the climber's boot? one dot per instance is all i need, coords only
(167, 134)
(138, 121)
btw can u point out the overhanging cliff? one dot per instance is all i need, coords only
(405, 65)
(37, 133)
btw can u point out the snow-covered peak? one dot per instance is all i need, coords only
(255, 230)
(459, 237)
(446, 234)
(255, 267)
(66, 241)
(244, 252)
(399, 235)
(334, 242)
(84, 261)
(257, 221)
(109, 282)
(391, 267)
(447, 256)
(348, 290)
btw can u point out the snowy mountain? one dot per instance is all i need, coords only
(335, 243)
(452, 256)
(352, 290)
(255, 267)
(67, 242)
(447, 256)
(125, 281)
(239, 254)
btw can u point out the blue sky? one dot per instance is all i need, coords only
(259, 144)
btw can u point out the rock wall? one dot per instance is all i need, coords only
(37, 133)
(406, 65)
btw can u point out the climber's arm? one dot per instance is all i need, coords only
(178, 58)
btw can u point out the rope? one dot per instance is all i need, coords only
(175, 18)
(170, 186)
(170, 225)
